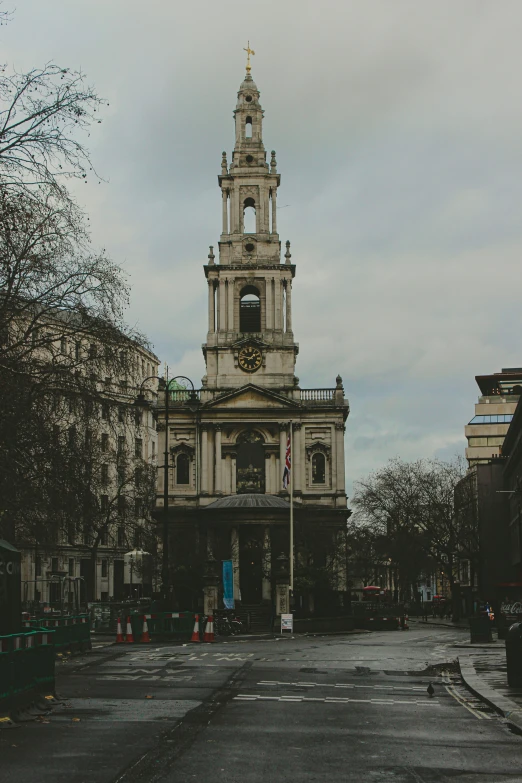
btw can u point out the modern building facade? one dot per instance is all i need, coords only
(487, 429)
(226, 497)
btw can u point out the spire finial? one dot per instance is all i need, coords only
(249, 51)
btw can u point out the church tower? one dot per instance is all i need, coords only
(250, 337)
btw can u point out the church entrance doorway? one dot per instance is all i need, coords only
(250, 463)
(251, 563)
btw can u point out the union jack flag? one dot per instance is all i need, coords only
(288, 464)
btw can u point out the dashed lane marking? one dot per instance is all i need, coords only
(333, 700)
(341, 685)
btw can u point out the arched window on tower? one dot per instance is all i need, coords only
(249, 310)
(248, 128)
(182, 469)
(249, 216)
(318, 468)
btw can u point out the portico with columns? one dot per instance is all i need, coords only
(231, 503)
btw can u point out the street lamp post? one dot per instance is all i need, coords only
(193, 403)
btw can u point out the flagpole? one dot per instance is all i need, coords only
(291, 509)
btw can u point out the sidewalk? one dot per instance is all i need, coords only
(437, 621)
(484, 671)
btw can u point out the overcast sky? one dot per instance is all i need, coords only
(398, 131)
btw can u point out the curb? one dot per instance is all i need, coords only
(441, 624)
(502, 705)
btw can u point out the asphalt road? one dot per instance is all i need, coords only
(350, 708)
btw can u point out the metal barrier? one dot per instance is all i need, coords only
(71, 634)
(27, 663)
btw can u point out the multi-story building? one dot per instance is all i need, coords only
(105, 431)
(487, 429)
(226, 496)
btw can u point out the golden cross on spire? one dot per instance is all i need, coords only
(249, 51)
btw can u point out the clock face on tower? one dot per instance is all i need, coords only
(250, 358)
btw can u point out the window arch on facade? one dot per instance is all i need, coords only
(248, 128)
(182, 469)
(249, 216)
(249, 310)
(318, 468)
(250, 463)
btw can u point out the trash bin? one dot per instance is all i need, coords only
(514, 655)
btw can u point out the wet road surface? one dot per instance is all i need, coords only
(352, 707)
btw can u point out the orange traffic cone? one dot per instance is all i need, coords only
(208, 636)
(119, 633)
(195, 632)
(128, 636)
(145, 633)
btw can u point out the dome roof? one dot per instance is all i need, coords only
(249, 501)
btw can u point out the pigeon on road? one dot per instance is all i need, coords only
(431, 690)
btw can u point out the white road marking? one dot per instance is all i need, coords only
(340, 685)
(333, 700)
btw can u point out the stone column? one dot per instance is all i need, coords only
(268, 478)
(273, 474)
(225, 215)
(266, 588)
(268, 303)
(340, 456)
(222, 311)
(211, 314)
(230, 305)
(234, 555)
(296, 457)
(210, 462)
(219, 465)
(228, 475)
(274, 210)
(333, 459)
(288, 305)
(282, 454)
(233, 470)
(204, 459)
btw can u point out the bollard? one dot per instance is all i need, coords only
(514, 655)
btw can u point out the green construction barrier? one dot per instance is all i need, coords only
(45, 661)
(71, 633)
(162, 625)
(26, 668)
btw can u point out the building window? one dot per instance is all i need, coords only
(138, 538)
(138, 448)
(54, 564)
(104, 474)
(138, 507)
(121, 536)
(318, 468)
(77, 351)
(105, 442)
(104, 568)
(122, 505)
(138, 417)
(250, 310)
(105, 411)
(63, 345)
(104, 503)
(121, 414)
(121, 444)
(71, 566)
(38, 566)
(71, 533)
(153, 449)
(103, 538)
(93, 351)
(182, 469)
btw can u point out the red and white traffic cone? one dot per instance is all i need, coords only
(119, 633)
(145, 633)
(406, 626)
(208, 636)
(195, 632)
(128, 636)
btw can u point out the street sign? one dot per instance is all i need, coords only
(287, 623)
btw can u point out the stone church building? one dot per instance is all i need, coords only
(227, 452)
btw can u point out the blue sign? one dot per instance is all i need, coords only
(228, 584)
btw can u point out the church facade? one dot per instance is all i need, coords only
(227, 451)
